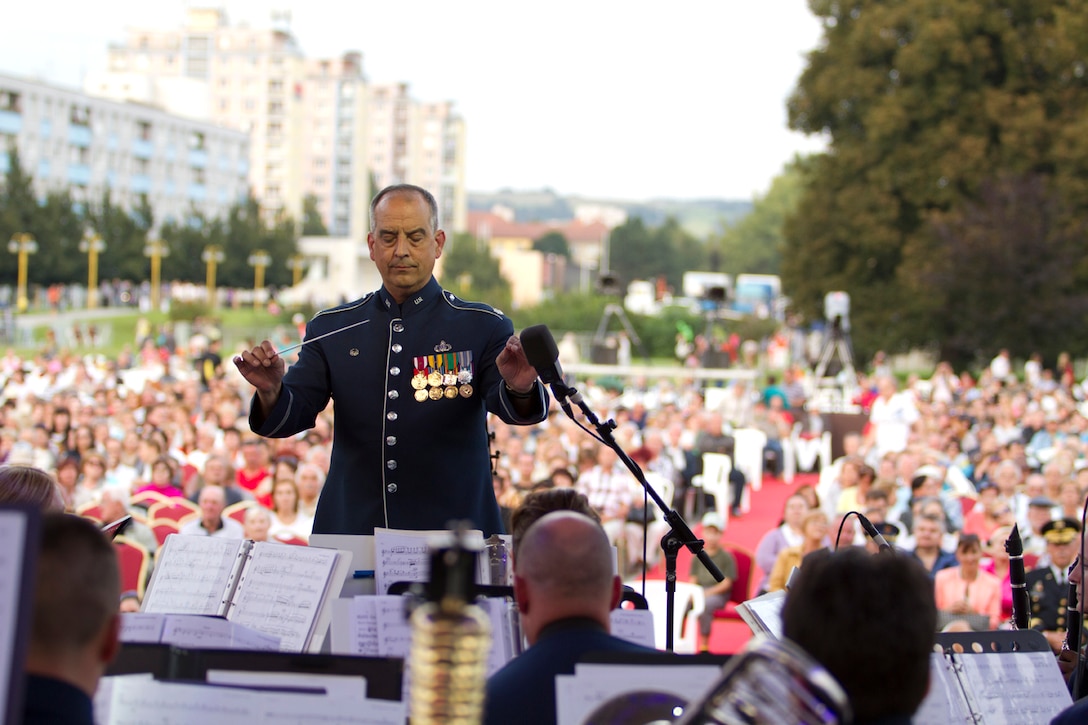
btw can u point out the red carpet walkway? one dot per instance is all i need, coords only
(730, 636)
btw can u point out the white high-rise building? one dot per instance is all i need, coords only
(420, 143)
(315, 126)
(93, 146)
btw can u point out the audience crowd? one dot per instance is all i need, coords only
(943, 465)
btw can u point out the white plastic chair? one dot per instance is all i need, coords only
(748, 456)
(715, 480)
(685, 638)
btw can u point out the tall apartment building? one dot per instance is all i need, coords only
(91, 146)
(309, 120)
(249, 79)
(420, 143)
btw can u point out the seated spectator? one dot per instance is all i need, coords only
(846, 597)
(996, 561)
(565, 589)
(814, 532)
(310, 480)
(74, 634)
(927, 545)
(258, 520)
(287, 522)
(162, 479)
(115, 505)
(211, 521)
(716, 593)
(989, 513)
(218, 473)
(785, 535)
(130, 602)
(1048, 584)
(966, 589)
(29, 486)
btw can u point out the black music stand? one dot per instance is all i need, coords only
(20, 532)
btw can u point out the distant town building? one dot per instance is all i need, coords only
(309, 120)
(67, 139)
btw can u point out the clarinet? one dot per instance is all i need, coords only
(1073, 615)
(1014, 546)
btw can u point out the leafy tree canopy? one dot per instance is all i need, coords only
(941, 117)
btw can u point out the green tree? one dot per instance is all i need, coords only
(553, 242)
(125, 235)
(755, 242)
(312, 223)
(926, 105)
(470, 272)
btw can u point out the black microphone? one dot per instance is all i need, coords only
(873, 533)
(543, 354)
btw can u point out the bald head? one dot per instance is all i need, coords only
(563, 569)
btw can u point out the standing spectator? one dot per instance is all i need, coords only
(891, 419)
(1001, 367)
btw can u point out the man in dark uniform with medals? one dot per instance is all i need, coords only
(1048, 586)
(413, 371)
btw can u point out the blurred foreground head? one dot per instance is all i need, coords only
(871, 621)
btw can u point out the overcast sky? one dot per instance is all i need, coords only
(626, 100)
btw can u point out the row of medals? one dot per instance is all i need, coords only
(436, 385)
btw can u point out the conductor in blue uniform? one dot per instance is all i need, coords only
(412, 371)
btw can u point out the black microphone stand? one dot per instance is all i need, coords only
(679, 534)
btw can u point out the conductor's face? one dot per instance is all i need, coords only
(403, 245)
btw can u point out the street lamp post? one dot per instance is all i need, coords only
(92, 244)
(211, 256)
(296, 263)
(24, 245)
(259, 260)
(156, 249)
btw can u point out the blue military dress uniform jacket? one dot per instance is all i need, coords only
(412, 385)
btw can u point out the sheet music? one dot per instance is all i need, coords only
(764, 613)
(944, 703)
(202, 632)
(349, 688)
(404, 556)
(502, 645)
(12, 544)
(139, 701)
(394, 632)
(192, 574)
(364, 626)
(142, 627)
(634, 625)
(103, 694)
(1018, 688)
(592, 685)
(400, 557)
(281, 591)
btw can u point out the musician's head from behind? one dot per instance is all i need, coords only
(870, 620)
(75, 629)
(540, 503)
(563, 569)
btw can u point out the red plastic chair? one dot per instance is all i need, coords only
(177, 509)
(237, 511)
(147, 499)
(163, 528)
(742, 586)
(90, 510)
(133, 559)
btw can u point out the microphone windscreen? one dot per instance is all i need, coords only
(539, 346)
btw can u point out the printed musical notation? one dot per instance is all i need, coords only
(192, 575)
(281, 590)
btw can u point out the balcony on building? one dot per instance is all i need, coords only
(139, 184)
(197, 192)
(142, 149)
(79, 174)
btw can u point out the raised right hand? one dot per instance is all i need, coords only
(263, 369)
